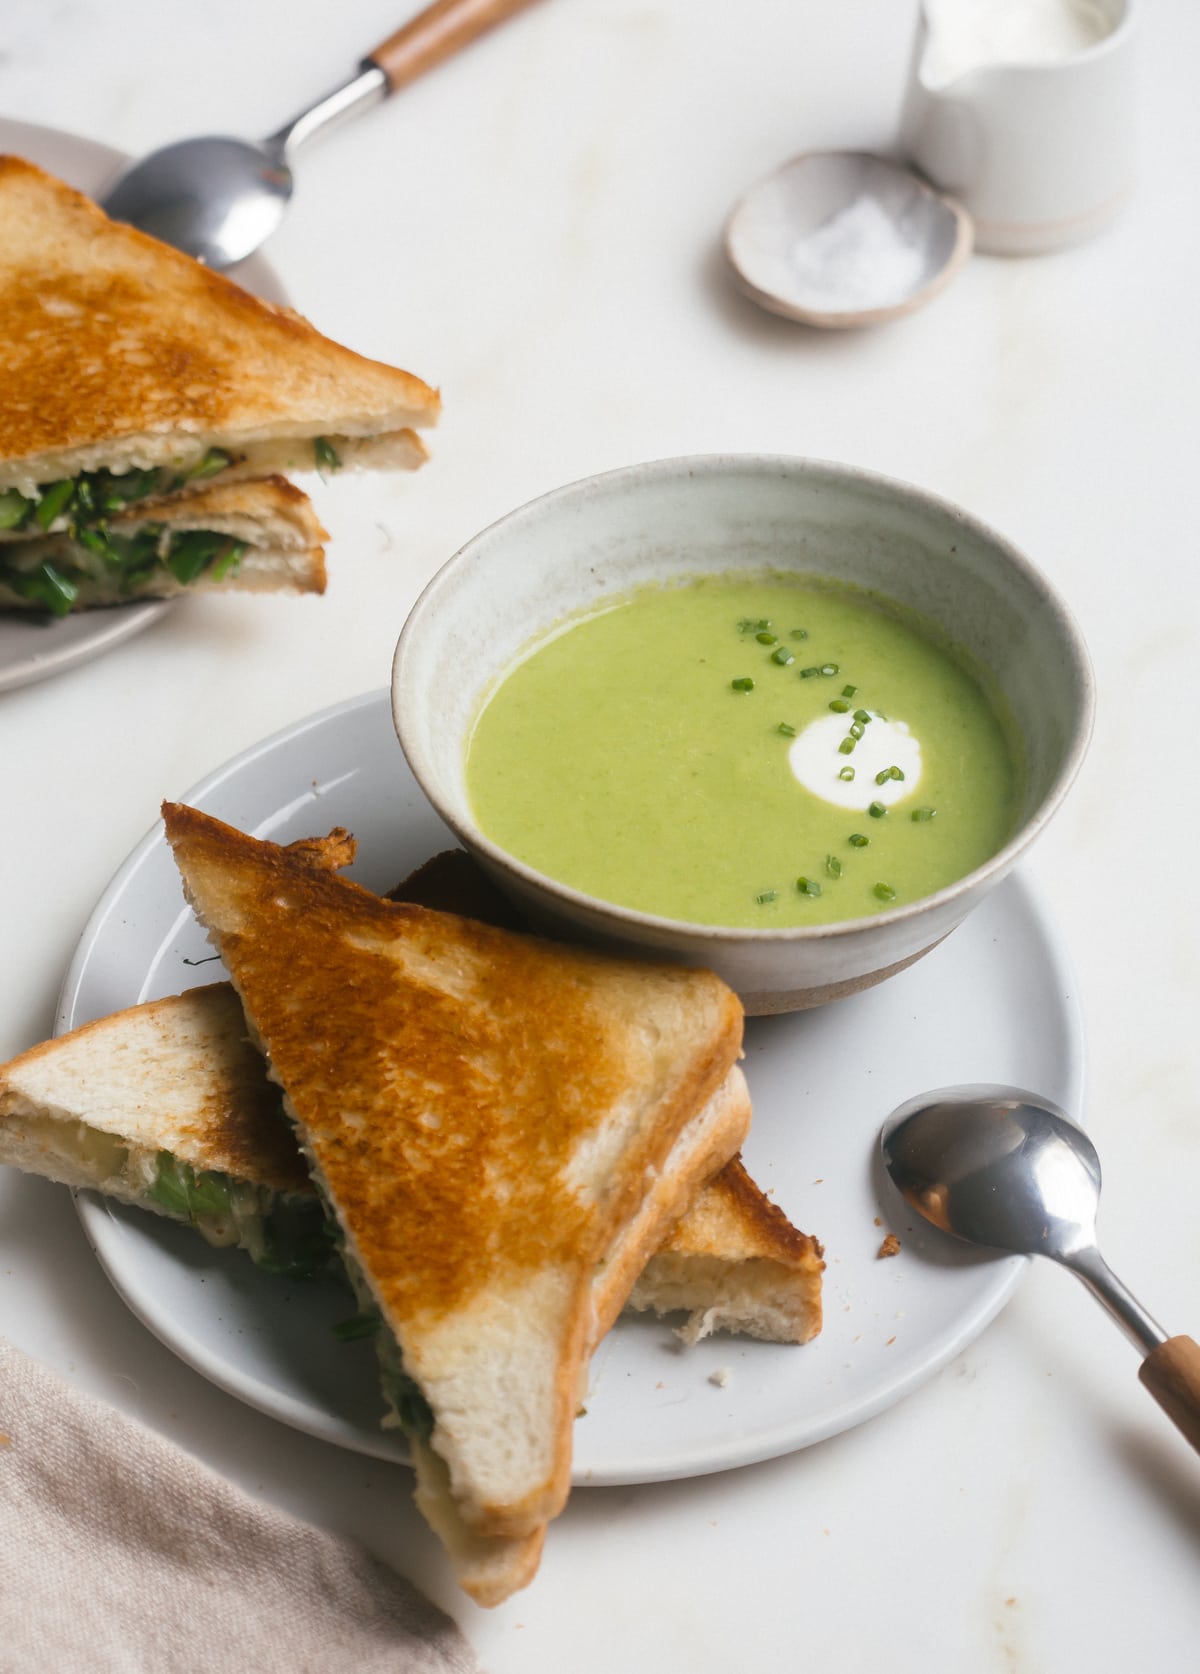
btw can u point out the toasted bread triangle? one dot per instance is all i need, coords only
(145, 350)
(487, 1113)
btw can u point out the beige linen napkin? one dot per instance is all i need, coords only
(121, 1554)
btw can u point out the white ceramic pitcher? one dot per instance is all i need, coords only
(1040, 152)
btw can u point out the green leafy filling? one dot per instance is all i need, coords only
(358, 1325)
(94, 495)
(131, 560)
(326, 455)
(413, 1412)
(411, 1408)
(289, 1235)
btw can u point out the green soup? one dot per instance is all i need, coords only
(749, 752)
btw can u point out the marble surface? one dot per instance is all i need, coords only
(535, 228)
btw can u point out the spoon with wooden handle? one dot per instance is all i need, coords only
(218, 198)
(996, 1166)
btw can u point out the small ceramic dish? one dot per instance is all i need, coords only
(838, 239)
(582, 545)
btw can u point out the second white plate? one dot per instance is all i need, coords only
(993, 1003)
(33, 647)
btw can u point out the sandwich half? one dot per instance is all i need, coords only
(503, 1129)
(258, 537)
(130, 372)
(168, 1107)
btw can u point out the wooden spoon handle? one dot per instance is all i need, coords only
(436, 33)
(1171, 1373)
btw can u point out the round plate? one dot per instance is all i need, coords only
(31, 648)
(993, 1003)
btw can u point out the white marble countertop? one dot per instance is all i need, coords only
(535, 229)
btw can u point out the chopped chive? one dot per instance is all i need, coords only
(799, 633)
(885, 892)
(849, 691)
(764, 636)
(877, 810)
(846, 747)
(46, 586)
(829, 668)
(862, 717)
(807, 673)
(858, 841)
(781, 655)
(764, 896)
(14, 508)
(808, 886)
(923, 815)
(787, 729)
(833, 866)
(743, 684)
(358, 1325)
(856, 732)
(895, 773)
(839, 706)
(55, 499)
(325, 454)
(882, 777)
(846, 773)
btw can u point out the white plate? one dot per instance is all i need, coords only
(993, 1003)
(33, 648)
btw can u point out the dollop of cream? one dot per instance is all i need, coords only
(817, 763)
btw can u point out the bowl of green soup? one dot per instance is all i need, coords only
(780, 717)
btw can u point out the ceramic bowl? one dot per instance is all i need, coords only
(584, 544)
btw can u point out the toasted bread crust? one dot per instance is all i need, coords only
(141, 345)
(531, 1091)
(741, 1221)
(724, 1124)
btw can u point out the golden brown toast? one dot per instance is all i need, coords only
(733, 1261)
(117, 351)
(487, 1114)
(271, 519)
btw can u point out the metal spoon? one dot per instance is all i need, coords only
(996, 1166)
(844, 238)
(219, 198)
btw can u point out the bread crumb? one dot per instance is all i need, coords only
(889, 1342)
(660, 1385)
(720, 1377)
(5, 1441)
(879, 1220)
(889, 1247)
